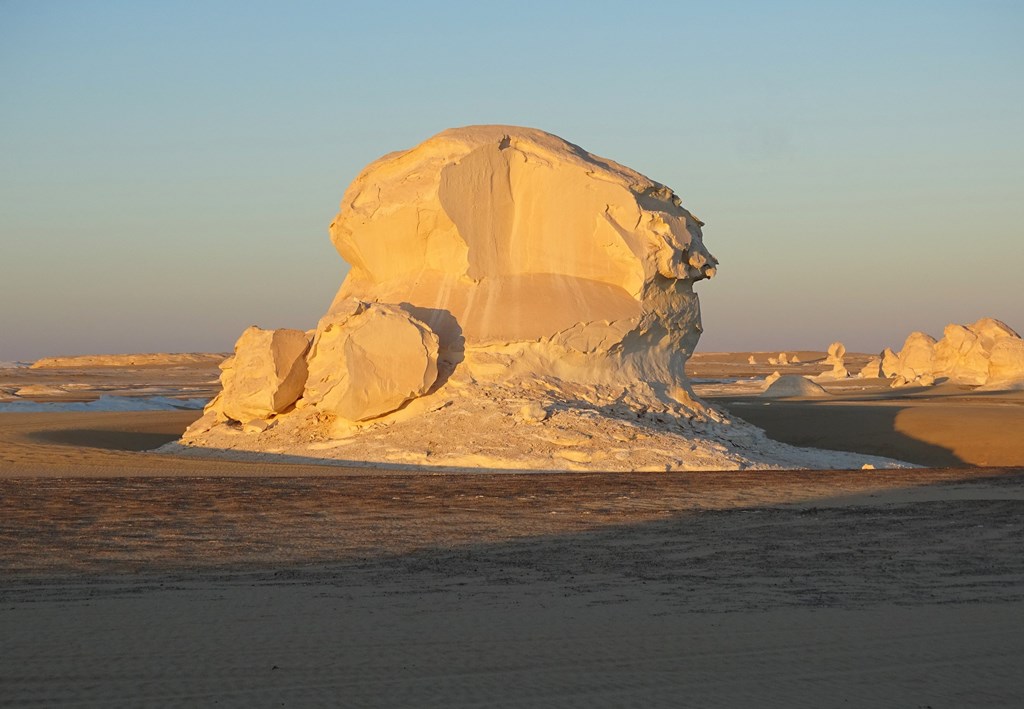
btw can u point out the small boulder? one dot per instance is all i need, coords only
(369, 359)
(533, 412)
(264, 377)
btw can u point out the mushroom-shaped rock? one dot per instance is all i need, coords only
(836, 357)
(793, 386)
(505, 237)
(264, 377)
(368, 359)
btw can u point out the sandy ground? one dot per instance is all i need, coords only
(770, 589)
(135, 579)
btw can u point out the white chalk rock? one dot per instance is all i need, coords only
(368, 359)
(264, 377)
(962, 355)
(793, 386)
(795, 359)
(504, 237)
(890, 363)
(751, 360)
(915, 358)
(771, 379)
(783, 358)
(871, 370)
(533, 412)
(1006, 363)
(836, 357)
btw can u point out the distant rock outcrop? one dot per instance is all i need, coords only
(963, 356)
(159, 359)
(836, 358)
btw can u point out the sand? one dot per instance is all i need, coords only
(767, 589)
(131, 578)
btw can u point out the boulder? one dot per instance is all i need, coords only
(890, 363)
(871, 370)
(1006, 363)
(264, 377)
(915, 359)
(369, 359)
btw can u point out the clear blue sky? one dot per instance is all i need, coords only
(168, 170)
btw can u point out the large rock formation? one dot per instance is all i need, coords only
(962, 356)
(526, 253)
(513, 301)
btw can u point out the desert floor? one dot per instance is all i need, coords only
(137, 579)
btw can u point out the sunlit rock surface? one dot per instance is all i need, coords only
(514, 301)
(963, 356)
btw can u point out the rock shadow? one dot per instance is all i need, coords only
(452, 350)
(856, 428)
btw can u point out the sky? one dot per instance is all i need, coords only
(168, 170)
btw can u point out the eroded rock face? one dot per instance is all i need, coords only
(914, 361)
(265, 376)
(532, 254)
(1006, 362)
(962, 356)
(368, 359)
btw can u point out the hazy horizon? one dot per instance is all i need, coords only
(169, 174)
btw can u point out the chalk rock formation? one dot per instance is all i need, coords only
(751, 360)
(962, 356)
(368, 359)
(264, 377)
(783, 358)
(792, 386)
(530, 254)
(795, 359)
(1006, 362)
(871, 370)
(771, 379)
(890, 363)
(914, 362)
(836, 357)
(513, 302)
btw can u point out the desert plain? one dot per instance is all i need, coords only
(138, 578)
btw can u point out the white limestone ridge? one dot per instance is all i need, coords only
(513, 302)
